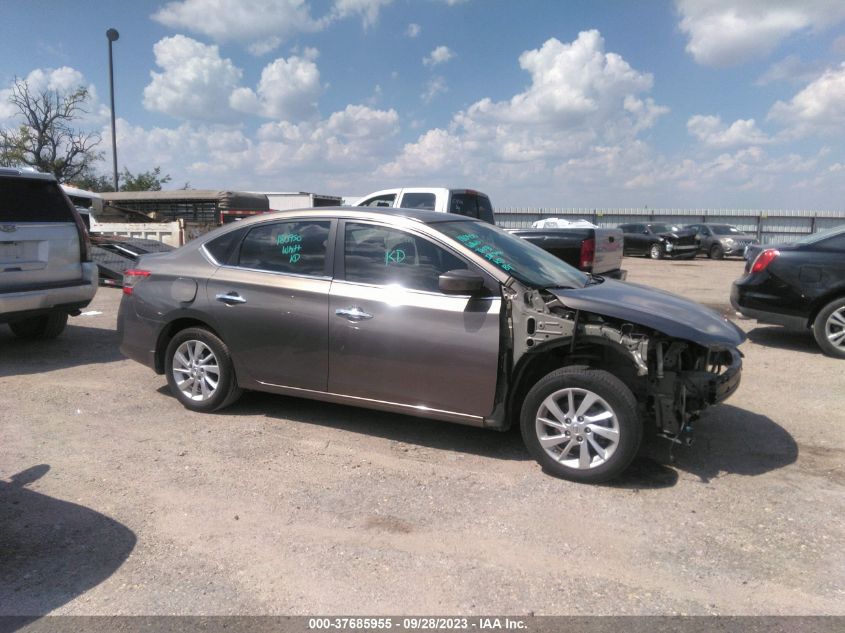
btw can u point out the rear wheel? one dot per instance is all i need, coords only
(829, 328)
(41, 327)
(581, 424)
(656, 251)
(717, 252)
(199, 371)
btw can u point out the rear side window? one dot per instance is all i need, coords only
(418, 201)
(30, 200)
(224, 247)
(287, 247)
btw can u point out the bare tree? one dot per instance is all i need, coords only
(46, 139)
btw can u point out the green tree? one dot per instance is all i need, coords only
(144, 181)
(46, 139)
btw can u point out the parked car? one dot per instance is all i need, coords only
(431, 315)
(799, 285)
(658, 240)
(721, 240)
(46, 272)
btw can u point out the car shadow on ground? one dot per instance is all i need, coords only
(391, 426)
(733, 441)
(77, 345)
(51, 551)
(784, 338)
(729, 440)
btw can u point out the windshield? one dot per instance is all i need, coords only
(519, 258)
(725, 229)
(664, 228)
(821, 235)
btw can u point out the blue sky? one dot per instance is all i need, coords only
(692, 103)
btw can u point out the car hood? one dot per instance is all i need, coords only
(662, 311)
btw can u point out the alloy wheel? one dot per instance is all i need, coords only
(577, 428)
(196, 370)
(834, 328)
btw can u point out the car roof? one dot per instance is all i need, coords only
(25, 173)
(364, 213)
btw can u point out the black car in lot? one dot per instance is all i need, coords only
(721, 240)
(658, 240)
(799, 285)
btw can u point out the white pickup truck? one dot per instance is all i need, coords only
(467, 202)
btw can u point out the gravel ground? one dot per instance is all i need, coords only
(116, 500)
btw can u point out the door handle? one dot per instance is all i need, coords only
(230, 299)
(353, 313)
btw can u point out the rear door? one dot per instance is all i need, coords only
(271, 302)
(394, 337)
(39, 236)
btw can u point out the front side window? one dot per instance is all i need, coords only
(297, 247)
(379, 255)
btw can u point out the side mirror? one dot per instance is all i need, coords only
(461, 282)
(645, 231)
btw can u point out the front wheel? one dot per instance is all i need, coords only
(717, 252)
(581, 424)
(199, 371)
(829, 328)
(656, 251)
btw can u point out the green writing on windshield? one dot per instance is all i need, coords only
(290, 243)
(490, 253)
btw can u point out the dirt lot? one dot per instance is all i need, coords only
(116, 500)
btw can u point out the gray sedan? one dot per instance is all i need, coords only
(431, 315)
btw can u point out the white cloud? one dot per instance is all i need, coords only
(579, 95)
(262, 24)
(791, 69)
(817, 109)
(433, 87)
(439, 55)
(367, 9)
(288, 90)
(712, 132)
(727, 32)
(413, 30)
(195, 83)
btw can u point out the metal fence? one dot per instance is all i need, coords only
(769, 226)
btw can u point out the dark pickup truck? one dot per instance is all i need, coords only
(593, 250)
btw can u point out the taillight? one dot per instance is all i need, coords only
(764, 259)
(588, 253)
(131, 279)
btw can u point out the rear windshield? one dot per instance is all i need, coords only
(472, 206)
(29, 200)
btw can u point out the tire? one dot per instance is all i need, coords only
(42, 327)
(829, 328)
(655, 251)
(578, 456)
(717, 252)
(196, 350)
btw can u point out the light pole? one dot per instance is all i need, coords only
(112, 36)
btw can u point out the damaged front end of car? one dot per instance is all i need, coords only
(673, 375)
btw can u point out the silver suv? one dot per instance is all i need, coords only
(46, 272)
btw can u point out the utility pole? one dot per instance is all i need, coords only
(112, 36)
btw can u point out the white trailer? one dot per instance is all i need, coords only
(284, 200)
